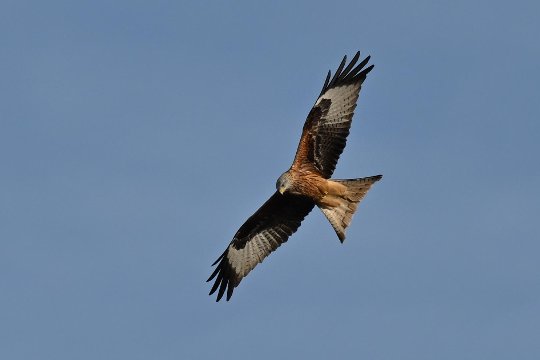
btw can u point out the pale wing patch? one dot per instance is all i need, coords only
(256, 250)
(338, 94)
(343, 102)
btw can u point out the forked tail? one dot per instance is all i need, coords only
(340, 215)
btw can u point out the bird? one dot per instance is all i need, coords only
(306, 184)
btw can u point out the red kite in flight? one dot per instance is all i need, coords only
(307, 183)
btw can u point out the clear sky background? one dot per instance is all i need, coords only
(136, 137)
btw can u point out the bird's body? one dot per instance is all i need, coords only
(306, 184)
(323, 192)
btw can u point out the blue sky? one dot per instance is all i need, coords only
(136, 137)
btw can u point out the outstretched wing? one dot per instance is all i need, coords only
(262, 233)
(327, 126)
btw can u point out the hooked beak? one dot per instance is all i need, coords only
(281, 190)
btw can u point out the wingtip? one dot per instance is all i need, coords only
(352, 72)
(230, 290)
(225, 288)
(219, 258)
(221, 290)
(214, 273)
(368, 69)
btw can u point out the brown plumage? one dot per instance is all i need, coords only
(307, 183)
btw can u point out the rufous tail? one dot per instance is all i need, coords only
(340, 216)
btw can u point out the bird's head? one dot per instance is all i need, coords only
(284, 182)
